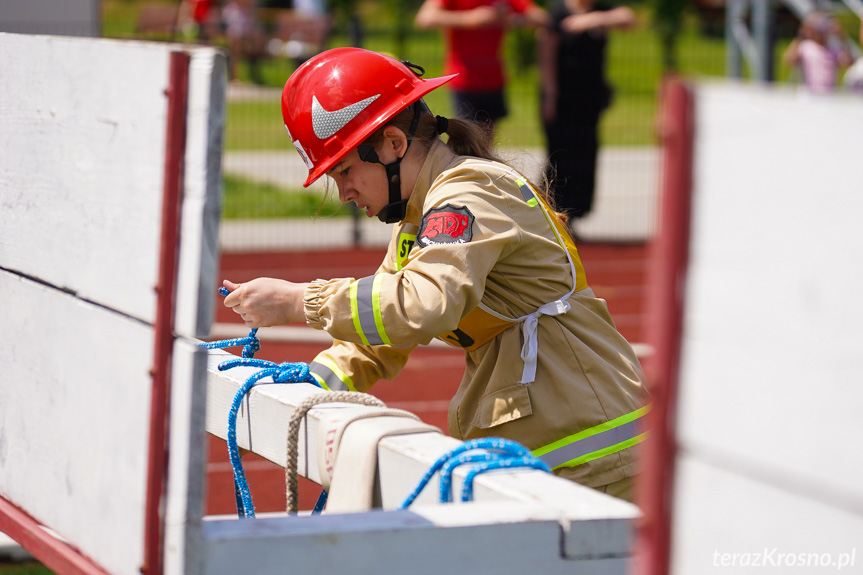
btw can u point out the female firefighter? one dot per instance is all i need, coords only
(477, 258)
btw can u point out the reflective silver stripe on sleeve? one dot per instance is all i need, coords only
(329, 377)
(366, 310)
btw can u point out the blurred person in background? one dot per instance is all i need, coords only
(473, 33)
(574, 92)
(820, 51)
(245, 36)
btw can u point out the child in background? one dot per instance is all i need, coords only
(820, 50)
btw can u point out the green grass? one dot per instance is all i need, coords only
(244, 198)
(255, 125)
(633, 70)
(24, 568)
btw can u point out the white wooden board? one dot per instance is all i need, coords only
(770, 385)
(82, 152)
(740, 523)
(590, 525)
(75, 399)
(82, 157)
(74, 424)
(202, 192)
(187, 465)
(479, 538)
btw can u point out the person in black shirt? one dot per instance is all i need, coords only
(574, 93)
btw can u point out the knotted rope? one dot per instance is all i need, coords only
(280, 373)
(251, 344)
(500, 454)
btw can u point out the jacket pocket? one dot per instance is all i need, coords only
(502, 406)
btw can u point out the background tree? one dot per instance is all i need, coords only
(668, 22)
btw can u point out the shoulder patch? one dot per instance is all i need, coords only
(446, 225)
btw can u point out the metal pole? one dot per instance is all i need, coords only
(762, 24)
(733, 54)
(172, 194)
(53, 553)
(654, 489)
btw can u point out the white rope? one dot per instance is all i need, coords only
(291, 481)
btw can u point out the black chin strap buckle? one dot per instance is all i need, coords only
(394, 211)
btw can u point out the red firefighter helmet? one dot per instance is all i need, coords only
(337, 99)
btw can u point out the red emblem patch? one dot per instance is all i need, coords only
(446, 225)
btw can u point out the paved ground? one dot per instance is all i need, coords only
(627, 182)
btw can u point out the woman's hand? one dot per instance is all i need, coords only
(487, 16)
(265, 302)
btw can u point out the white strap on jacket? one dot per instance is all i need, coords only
(528, 328)
(530, 322)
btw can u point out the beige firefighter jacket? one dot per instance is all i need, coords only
(477, 250)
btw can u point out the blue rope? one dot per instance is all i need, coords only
(251, 343)
(501, 454)
(511, 463)
(322, 500)
(280, 373)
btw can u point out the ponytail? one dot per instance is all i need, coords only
(468, 138)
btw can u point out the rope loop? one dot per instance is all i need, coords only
(299, 415)
(251, 343)
(498, 453)
(280, 373)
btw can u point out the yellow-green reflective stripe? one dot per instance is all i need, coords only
(603, 452)
(527, 192)
(330, 376)
(320, 381)
(366, 310)
(355, 314)
(598, 441)
(376, 304)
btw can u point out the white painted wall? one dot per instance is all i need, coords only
(82, 155)
(770, 383)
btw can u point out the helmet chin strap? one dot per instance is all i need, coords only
(395, 210)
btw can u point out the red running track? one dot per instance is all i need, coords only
(617, 273)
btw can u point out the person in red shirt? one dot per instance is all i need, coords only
(473, 32)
